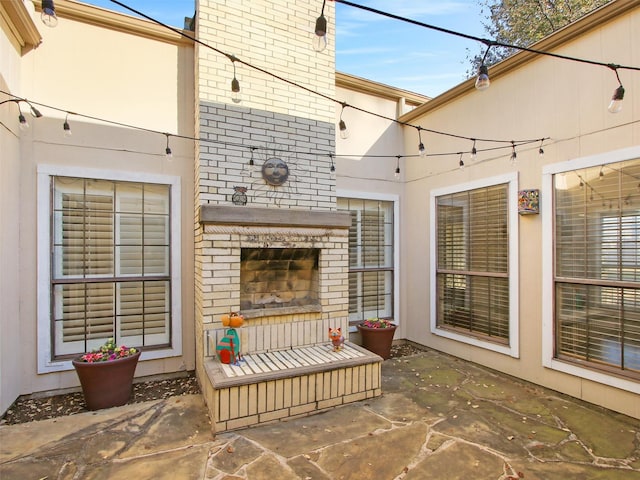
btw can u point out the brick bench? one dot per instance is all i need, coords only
(280, 381)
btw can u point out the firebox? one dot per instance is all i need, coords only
(279, 278)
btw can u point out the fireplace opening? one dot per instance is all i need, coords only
(280, 279)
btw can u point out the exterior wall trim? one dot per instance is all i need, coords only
(21, 24)
(117, 21)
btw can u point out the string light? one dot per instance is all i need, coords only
(397, 172)
(618, 94)
(35, 113)
(483, 82)
(322, 95)
(252, 165)
(541, 150)
(236, 96)
(66, 128)
(167, 150)
(320, 37)
(474, 150)
(48, 15)
(421, 150)
(342, 126)
(332, 168)
(514, 155)
(601, 174)
(461, 162)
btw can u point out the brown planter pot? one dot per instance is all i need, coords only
(107, 384)
(378, 340)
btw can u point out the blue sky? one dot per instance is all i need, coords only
(380, 49)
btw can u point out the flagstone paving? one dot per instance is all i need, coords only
(438, 418)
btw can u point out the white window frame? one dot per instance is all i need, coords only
(395, 199)
(513, 349)
(547, 210)
(44, 217)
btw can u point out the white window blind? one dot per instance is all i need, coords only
(597, 269)
(472, 277)
(370, 258)
(110, 265)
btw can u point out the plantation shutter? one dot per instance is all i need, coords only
(597, 225)
(472, 262)
(107, 238)
(370, 258)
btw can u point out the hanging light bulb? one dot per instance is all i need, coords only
(66, 127)
(514, 155)
(24, 125)
(167, 150)
(421, 150)
(342, 126)
(397, 172)
(618, 94)
(252, 165)
(320, 36)
(48, 15)
(483, 82)
(616, 100)
(474, 151)
(236, 96)
(461, 162)
(332, 168)
(541, 150)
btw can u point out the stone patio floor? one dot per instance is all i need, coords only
(439, 418)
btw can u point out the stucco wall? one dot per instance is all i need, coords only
(564, 100)
(110, 74)
(10, 349)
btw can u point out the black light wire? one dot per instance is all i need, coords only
(489, 43)
(251, 147)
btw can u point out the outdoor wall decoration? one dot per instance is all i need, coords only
(529, 202)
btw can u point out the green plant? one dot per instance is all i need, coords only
(107, 352)
(378, 323)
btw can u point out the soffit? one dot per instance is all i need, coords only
(101, 17)
(351, 82)
(20, 24)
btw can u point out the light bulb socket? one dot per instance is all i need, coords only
(66, 128)
(618, 93)
(421, 150)
(321, 26)
(235, 90)
(168, 152)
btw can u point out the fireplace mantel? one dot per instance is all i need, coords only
(281, 217)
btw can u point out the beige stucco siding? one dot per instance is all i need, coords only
(546, 97)
(108, 74)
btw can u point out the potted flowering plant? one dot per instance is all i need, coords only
(377, 335)
(106, 374)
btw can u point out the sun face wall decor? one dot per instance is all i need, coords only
(275, 172)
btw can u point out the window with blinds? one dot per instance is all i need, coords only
(110, 264)
(472, 274)
(597, 267)
(370, 258)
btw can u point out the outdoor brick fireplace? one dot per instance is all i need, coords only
(274, 265)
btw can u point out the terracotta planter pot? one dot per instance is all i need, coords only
(107, 384)
(378, 340)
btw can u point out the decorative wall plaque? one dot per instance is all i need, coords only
(529, 202)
